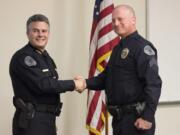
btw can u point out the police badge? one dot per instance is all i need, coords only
(124, 53)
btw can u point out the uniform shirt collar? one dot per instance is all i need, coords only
(37, 50)
(132, 35)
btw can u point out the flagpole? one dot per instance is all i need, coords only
(106, 123)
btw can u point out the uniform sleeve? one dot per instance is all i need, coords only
(32, 76)
(147, 69)
(97, 83)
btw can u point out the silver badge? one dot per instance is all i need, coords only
(29, 61)
(148, 50)
(124, 53)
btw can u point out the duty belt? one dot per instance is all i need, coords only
(29, 107)
(119, 111)
(55, 109)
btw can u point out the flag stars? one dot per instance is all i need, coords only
(97, 13)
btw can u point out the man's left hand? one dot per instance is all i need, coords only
(142, 124)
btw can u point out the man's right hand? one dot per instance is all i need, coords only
(80, 83)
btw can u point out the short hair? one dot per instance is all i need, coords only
(37, 18)
(128, 7)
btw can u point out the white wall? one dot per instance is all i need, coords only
(164, 30)
(70, 29)
(168, 120)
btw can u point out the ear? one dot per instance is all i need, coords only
(133, 20)
(27, 34)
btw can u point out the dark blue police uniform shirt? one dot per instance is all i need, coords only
(131, 75)
(34, 77)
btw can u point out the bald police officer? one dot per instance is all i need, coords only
(131, 80)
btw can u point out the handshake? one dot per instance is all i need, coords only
(80, 84)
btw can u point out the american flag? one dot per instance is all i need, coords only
(102, 41)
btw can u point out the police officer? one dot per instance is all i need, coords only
(131, 79)
(35, 83)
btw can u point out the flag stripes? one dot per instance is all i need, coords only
(102, 41)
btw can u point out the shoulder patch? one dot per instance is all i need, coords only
(148, 50)
(29, 61)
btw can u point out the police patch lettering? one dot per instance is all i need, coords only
(148, 50)
(124, 53)
(29, 61)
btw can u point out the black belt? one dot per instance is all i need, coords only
(119, 111)
(29, 107)
(55, 109)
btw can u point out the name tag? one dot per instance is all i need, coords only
(45, 70)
